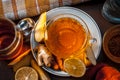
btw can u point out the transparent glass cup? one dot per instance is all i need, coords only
(61, 49)
(11, 40)
(111, 11)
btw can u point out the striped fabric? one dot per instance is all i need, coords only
(17, 9)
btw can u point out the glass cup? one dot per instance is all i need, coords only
(66, 35)
(111, 11)
(11, 40)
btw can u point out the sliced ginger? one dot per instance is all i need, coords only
(44, 56)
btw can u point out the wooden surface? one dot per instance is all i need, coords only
(94, 10)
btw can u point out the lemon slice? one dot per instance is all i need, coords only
(40, 27)
(26, 73)
(74, 67)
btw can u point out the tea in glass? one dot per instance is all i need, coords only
(65, 35)
(11, 40)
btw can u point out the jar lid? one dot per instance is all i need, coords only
(111, 43)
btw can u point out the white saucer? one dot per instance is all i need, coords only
(93, 27)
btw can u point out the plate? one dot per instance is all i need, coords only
(92, 25)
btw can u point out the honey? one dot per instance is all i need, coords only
(6, 37)
(11, 40)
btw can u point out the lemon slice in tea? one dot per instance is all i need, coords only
(26, 73)
(74, 67)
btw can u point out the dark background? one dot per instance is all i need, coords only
(93, 8)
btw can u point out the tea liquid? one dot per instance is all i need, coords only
(11, 40)
(65, 36)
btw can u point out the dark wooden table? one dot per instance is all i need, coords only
(93, 9)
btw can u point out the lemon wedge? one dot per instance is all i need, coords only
(40, 27)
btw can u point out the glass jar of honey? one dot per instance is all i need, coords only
(11, 40)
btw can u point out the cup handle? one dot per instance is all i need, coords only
(90, 53)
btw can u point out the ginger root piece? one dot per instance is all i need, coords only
(60, 64)
(57, 64)
(44, 56)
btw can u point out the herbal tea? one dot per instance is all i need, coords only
(65, 36)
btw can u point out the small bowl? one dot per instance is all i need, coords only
(111, 43)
